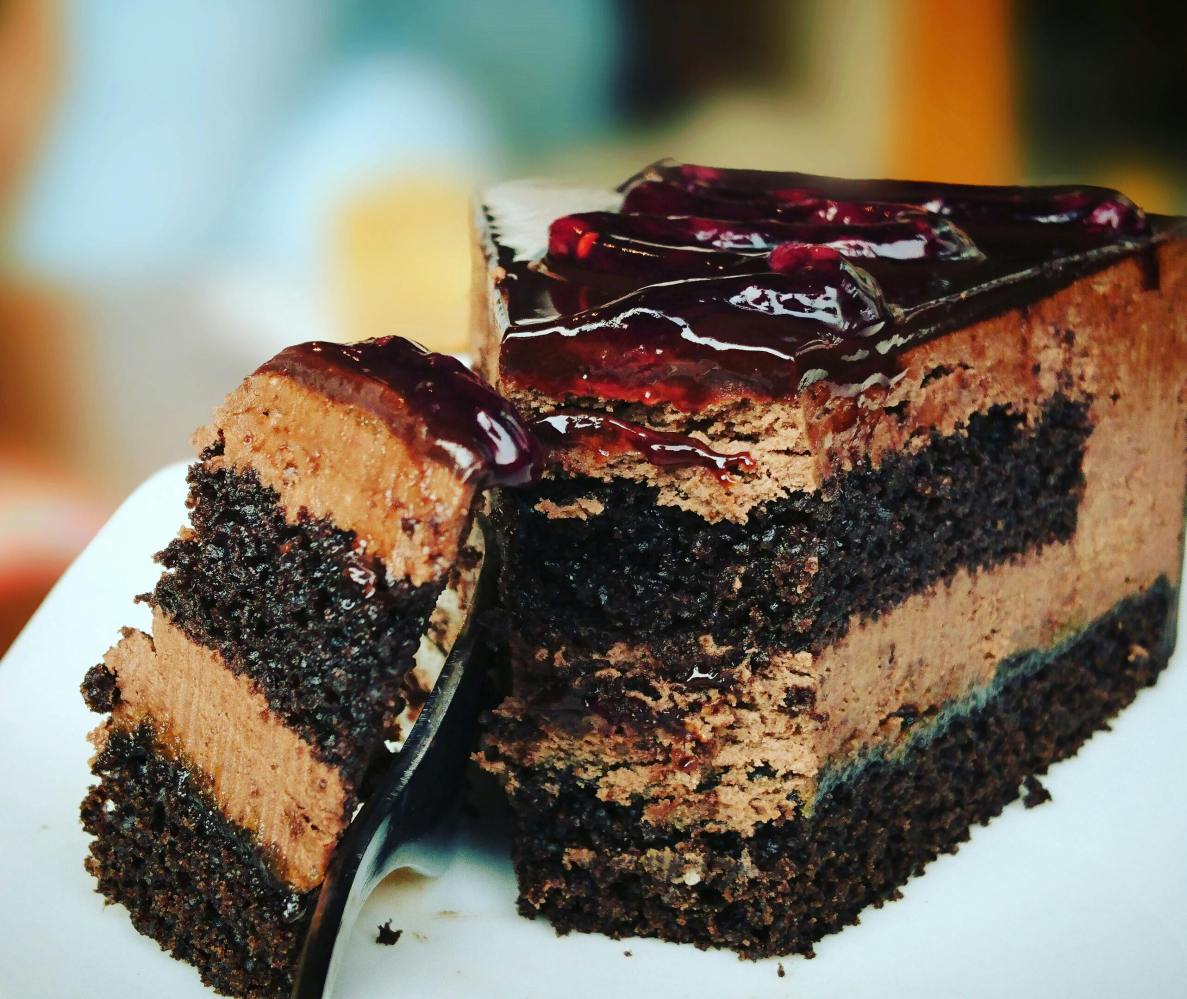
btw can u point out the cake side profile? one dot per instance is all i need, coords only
(864, 506)
(328, 545)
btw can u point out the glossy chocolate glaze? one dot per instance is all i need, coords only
(712, 284)
(661, 247)
(688, 342)
(432, 401)
(607, 435)
(1078, 214)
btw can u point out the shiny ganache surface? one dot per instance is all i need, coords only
(432, 401)
(710, 283)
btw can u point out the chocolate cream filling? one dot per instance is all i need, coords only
(341, 463)
(263, 776)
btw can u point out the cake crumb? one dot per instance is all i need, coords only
(387, 936)
(1036, 794)
(580, 509)
(780, 972)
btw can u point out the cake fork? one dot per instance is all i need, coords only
(410, 819)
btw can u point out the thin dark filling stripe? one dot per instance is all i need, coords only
(781, 889)
(189, 878)
(801, 568)
(298, 609)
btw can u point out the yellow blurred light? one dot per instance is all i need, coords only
(401, 262)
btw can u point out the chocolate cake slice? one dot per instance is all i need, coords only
(865, 505)
(330, 512)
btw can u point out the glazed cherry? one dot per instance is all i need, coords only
(1094, 210)
(689, 245)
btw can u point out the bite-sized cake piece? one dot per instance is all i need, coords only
(865, 506)
(329, 514)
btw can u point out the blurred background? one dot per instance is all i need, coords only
(187, 186)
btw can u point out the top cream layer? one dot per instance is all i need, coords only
(341, 463)
(1019, 359)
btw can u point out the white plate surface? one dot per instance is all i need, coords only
(1083, 896)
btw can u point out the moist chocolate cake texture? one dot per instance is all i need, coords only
(330, 511)
(864, 505)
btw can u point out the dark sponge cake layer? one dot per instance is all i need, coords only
(789, 884)
(189, 878)
(796, 573)
(298, 608)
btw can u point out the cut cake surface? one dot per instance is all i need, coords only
(865, 505)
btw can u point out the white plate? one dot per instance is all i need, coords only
(1083, 896)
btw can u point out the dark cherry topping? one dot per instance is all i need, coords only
(1083, 211)
(431, 400)
(689, 245)
(653, 197)
(608, 435)
(689, 342)
(650, 197)
(711, 283)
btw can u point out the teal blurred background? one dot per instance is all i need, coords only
(187, 186)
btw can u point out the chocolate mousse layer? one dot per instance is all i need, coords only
(260, 772)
